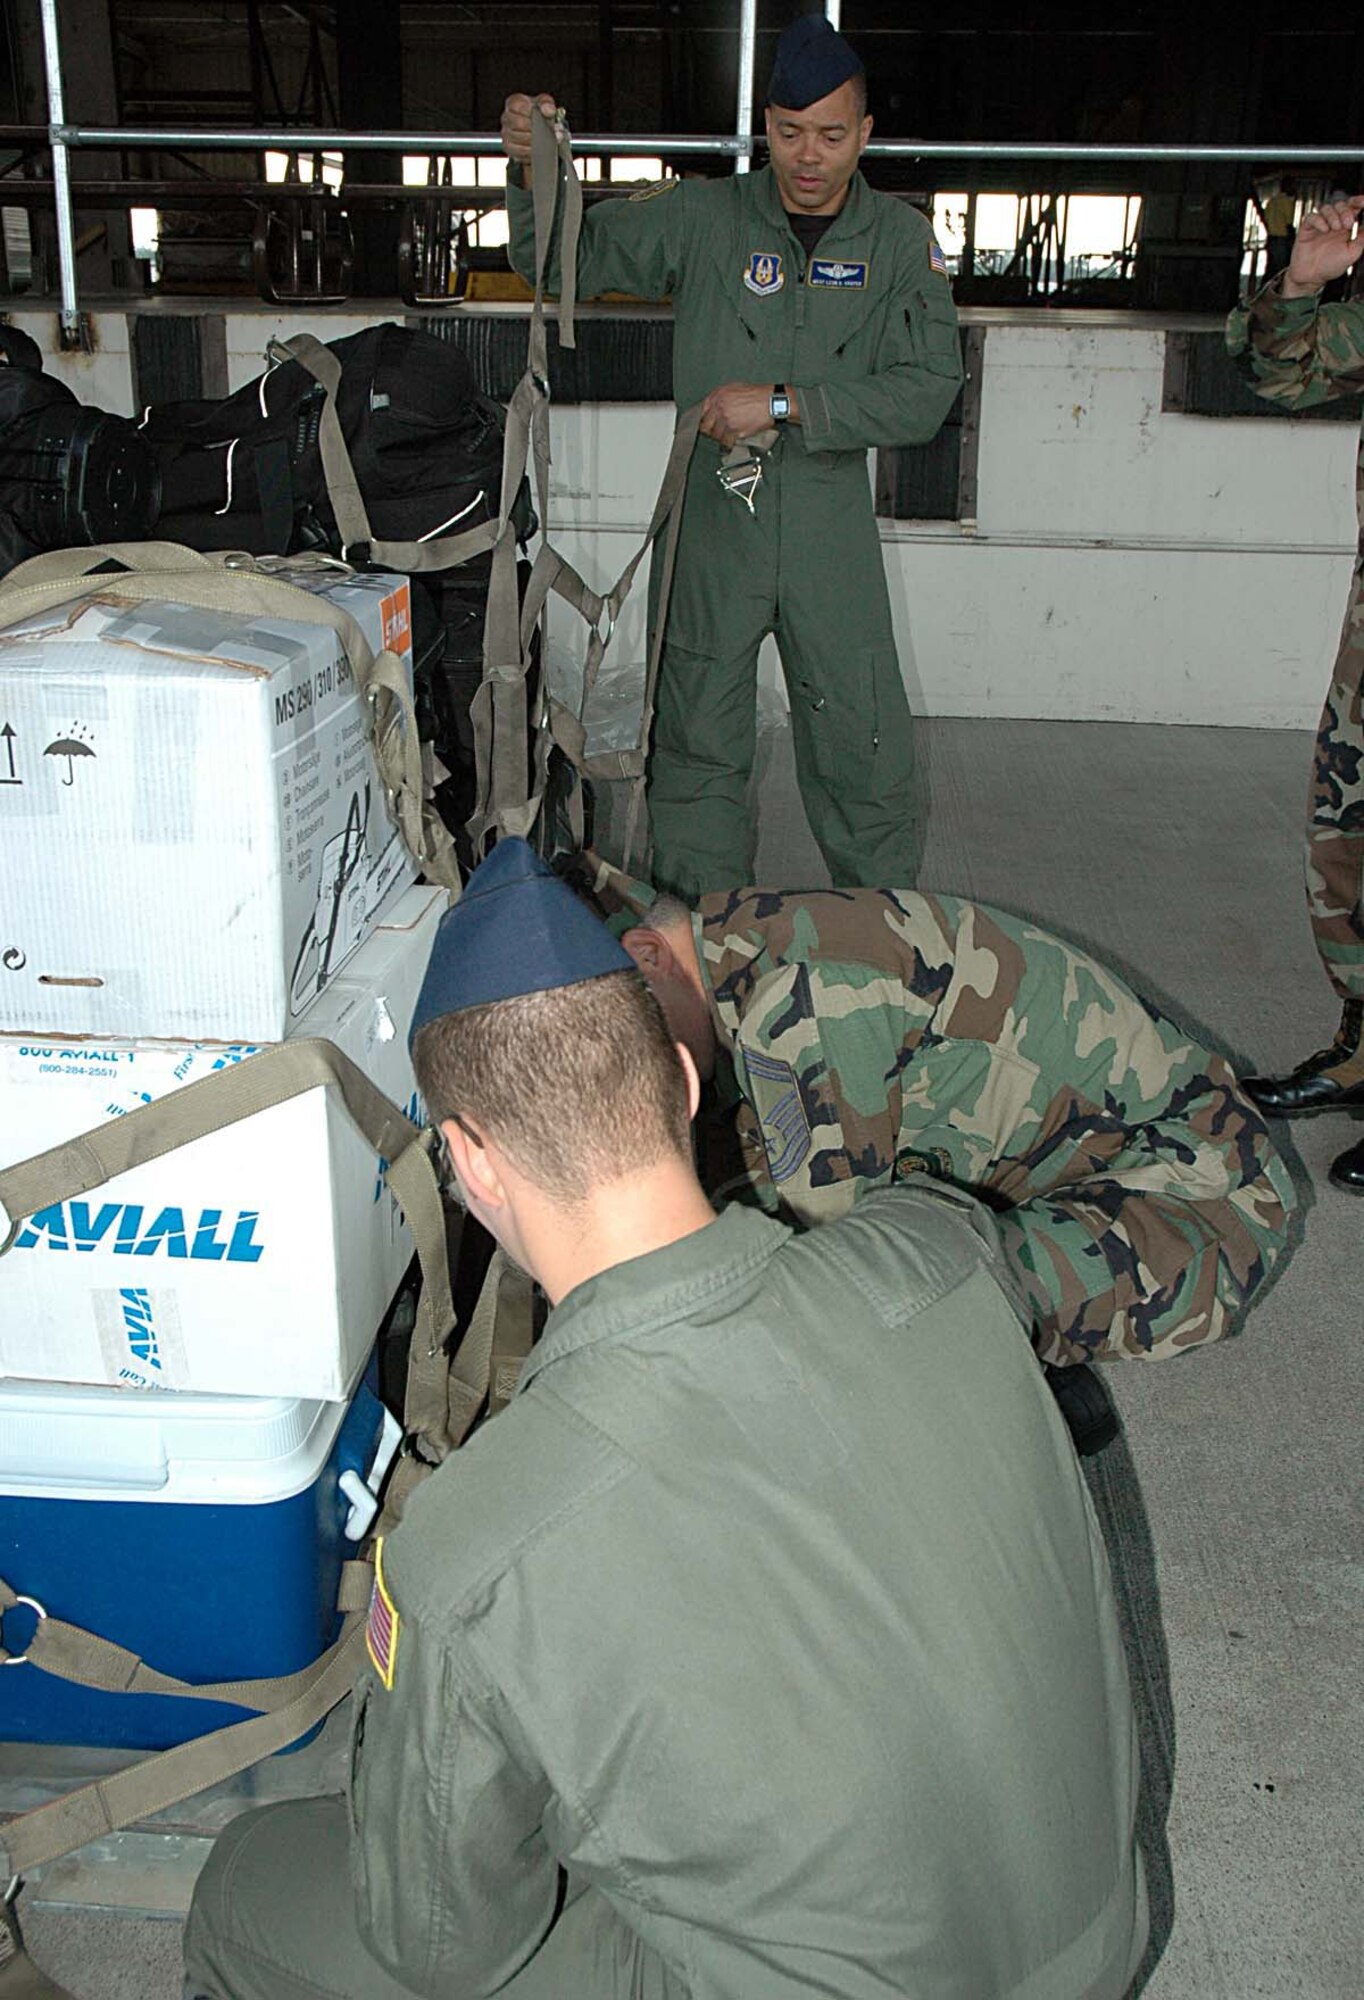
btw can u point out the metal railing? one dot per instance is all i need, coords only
(62, 138)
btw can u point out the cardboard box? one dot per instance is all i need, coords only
(195, 838)
(258, 1261)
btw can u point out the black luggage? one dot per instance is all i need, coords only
(247, 473)
(70, 477)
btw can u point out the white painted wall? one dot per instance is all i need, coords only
(1124, 565)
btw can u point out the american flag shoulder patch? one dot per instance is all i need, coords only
(384, 1628)
(936, 260)
(778, 1103)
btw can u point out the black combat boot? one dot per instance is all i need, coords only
(1348, 1170)
(1083, 1401)
(1314, 1085)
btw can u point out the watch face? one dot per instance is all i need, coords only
(781, 406)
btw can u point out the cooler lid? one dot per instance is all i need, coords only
(62, 1441)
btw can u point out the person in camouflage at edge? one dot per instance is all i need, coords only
(879, 1034)
(1297, 351)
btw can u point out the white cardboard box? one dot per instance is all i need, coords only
(258, 1261)
(194, 834)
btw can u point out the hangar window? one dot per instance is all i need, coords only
(1038, 245)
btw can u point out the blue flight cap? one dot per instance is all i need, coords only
(516, 929)
(812, 60)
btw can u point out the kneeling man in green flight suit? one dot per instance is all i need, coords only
(733, 1661)
(877, 1035)
(814, 312)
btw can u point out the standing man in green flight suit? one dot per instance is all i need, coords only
(808, 306)
(733, 1660)
(1297, 351)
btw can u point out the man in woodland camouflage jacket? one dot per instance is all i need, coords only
(876, 1035)
(1297, 351)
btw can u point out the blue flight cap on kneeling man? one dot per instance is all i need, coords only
(516, 929)
(812, 60)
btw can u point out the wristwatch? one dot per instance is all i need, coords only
(779, 408)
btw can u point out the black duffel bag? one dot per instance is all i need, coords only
(425, 443)
(70, 477)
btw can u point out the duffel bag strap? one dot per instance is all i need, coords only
(358, 542)
(241, 584)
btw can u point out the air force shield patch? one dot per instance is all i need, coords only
(764, 274)
(776, 1098)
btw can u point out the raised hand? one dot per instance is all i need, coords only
(1328, 242)
(515, 128)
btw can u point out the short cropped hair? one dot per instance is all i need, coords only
(578, 1086)
(665, 913)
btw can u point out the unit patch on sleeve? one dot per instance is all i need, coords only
(937, 262)
(764, 273)
(836, 276)
(385, 1626)
(776, 1097)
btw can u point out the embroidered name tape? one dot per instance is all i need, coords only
(384, 1626)
(764, 273)
(835, 275)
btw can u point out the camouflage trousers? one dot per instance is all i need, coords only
(1335, 827)
(1152, 1244)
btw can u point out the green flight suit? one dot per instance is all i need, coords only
(866, 335)
(774, 1611)
(879, 1034)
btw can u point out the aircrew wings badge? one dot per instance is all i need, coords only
(764, 273)
(385, 1626)
(777, 1100)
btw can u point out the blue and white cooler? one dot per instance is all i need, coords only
(204, 1533)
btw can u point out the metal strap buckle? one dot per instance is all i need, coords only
(21, 1659)
(742, 477)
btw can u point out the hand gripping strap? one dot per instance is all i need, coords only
(243, 585)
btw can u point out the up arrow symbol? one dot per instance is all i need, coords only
(7, 733)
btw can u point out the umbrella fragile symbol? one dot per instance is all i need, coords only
(70, 747)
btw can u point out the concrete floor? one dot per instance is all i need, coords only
(1232, 1505)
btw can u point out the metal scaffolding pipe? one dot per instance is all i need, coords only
(293, 139)
(743, 114)
(61, 173)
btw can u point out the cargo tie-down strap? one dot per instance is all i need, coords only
(508, 795)
(444, 1396)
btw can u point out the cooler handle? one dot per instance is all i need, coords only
(363, 1494)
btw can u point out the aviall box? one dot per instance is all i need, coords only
(205, 1533)
(257, 1261)
(195, 838)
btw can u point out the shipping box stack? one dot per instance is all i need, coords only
(199, 863)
